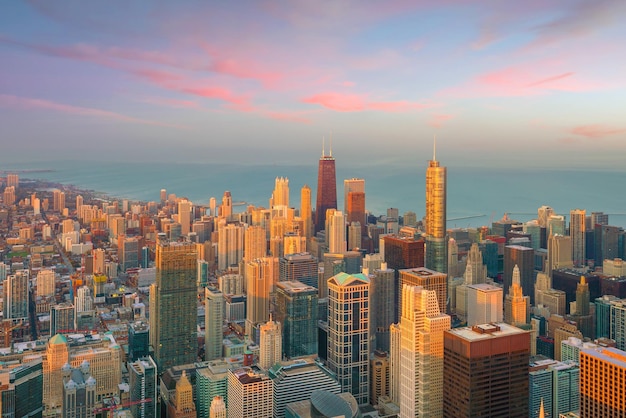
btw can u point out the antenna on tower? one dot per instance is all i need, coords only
(435, 147)
(323, 145)
(331, 144)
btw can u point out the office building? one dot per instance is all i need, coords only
(554, 385)
(348, 333)
(475, 270)
(214, 307)
(21, 389)
(429, 280)
(295, 381)
(173, 312)
(79, 391)
(230, 244)
(250, 394)
(16, 295)
(383, 309)
(326, 189)
(255, 243)
(618, 323)
(559, 253)
(484, 304)
(280, 195)
(306, 212)
(226, 208)
(138, 340)
(577, 228)
(182, 405)
(62, 318)
(302, 267)
(296, 310)
(45, 283)
(218, 408)
(270, 344)
(422, 327)
(211, 382)
(516, 305)
(336, 233)
(185, 208)
(524, 258)
(436, 238)
(261, 277)
(143, 387)
(486, 371)
(380, 385)
(602, 383)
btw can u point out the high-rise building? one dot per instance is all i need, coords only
(383, 309)
(184, 216)
(296, 310)
(182, 405)
(302, 267)
(516, 305)
(484, 304)
(326, 189)
(354, 200)
(336, 233)
(305, 211)
(58, 201)
(422, 327)
(255, 243)
(556, 385)
(429, 280)
(79, 391)
(214, 321)
(380, 376)
(280, 196)
(62, 318)
(13, 180)
(138, 340)
(295, 381)
(486, 371)
(618, 323)
(261, 277)
(211, 382)
(226, 208)
(436, 238)
(16, 295)
(348, 340)
(230, 244)
(524, 258)
(57, 356)
(21, 391)
(143, 387)
(475, 271)
(602, 380)
(250, 394)
(577, 228)
(173, 311)
(270, 344)
(543, 214)
(559, 253)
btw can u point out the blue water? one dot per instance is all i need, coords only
(484, 194)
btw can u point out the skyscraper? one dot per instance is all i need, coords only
(559, 253)
(382, 306)
(16, 295)
(261, 275)
(213, 323)
(270, 344)
(337, 233)
(524, 258)
(602, 377)
(348, 340)
(305, 211)
(173, 311)
(184, 216)
(516, 305)
(143, 387)
(422, 329)
(429, 280)
(296, 310)
(484, 304)
(302, 267)
(354, 200)
(326, 189)
(249, 394)
(577, 229)
(486, 371)
(436, 238)
(280, 196)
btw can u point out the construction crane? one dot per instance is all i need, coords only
(6, 332)
(115, 406)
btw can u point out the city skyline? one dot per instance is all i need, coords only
(509, 84)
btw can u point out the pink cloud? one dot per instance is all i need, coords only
(358, 102)
(596, 131)
(519, 82)
(27, 103)
(220, 93)
(438, 120)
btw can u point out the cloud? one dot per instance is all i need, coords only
(438, 120)
(27, 103)
(596, 131)
(341, 102)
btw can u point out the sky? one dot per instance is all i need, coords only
(532, 83)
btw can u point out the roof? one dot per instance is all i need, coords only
(345, 279)
(58, 339)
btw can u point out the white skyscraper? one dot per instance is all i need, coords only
(422, 328)
(270, 344)
(337, 233)
(184, 216)
(214, 321)
(484, 304)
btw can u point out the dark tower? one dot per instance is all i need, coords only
(326, 189)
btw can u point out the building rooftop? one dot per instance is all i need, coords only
(344, 279)
(422, 272)
(294, 286)
(486, 331)
(608, 354)
(485, 287)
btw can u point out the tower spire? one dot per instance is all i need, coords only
(323, 145)
(331, 144)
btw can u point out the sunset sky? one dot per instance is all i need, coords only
(499, 82)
